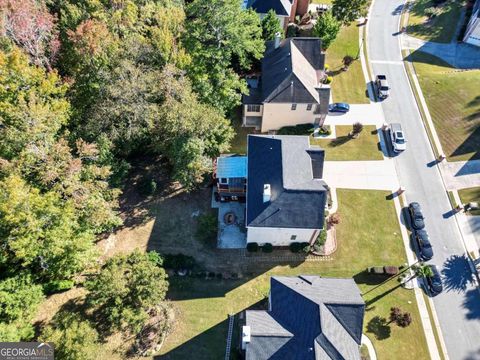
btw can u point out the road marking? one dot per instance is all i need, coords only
(389, 62)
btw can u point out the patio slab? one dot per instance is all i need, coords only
(231, 236)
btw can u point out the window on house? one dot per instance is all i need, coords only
(253, 108)
(293, 237)
(309, 107)
(294, 106)
(223, 180)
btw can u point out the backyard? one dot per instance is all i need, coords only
(347, 86)
(344, 148)
(441, 27)
(203, 305)
(454, 104)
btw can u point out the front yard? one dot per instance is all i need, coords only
(440, 28)
(343, 148)
(454, 103)
(470, 195)
(347, 86)
(368, 234)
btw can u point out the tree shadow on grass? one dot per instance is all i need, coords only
(339, 141)
(379, 327)
(457, 275)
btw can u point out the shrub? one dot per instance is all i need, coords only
(207, 227)
(320, 241)
(328, 80)
(300, 129)
(267, 248)
(432, 12)
(252, 247)
(147, 186)
(357, 128)
(292, 31)
(326, 67)
(295, 247)
(179, 262)
(334, 219)
(404, 320)
(57, 286)
(305, 247)
(347, 60)
(324, 130)
(395, 314)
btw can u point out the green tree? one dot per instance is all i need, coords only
(33, 107)
(19, 300)
(271, 26)
(127, 288)
(423, 271)
(74, 338)
(220, 37)
(347, 11)
(326, 28)
(40, 232)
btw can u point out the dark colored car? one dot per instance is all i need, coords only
(416, 216)
(422, 242)
(434, 282)
(339, 107)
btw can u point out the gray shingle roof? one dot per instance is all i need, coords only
(291, 73)
(301, 306)
(297, 198)
(281, 7)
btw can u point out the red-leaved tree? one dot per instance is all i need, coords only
(29, 24)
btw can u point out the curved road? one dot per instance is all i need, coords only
(458, 307)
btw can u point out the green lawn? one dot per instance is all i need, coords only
(347, 86)
(453, 101)
(239, 142)
(439, 29)
(368, 234)
(470, 195)
(365, 147)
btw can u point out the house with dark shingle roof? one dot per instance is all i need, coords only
(290, 89)
(286, 10)
(308, 317)
(472, 32)
(286, 193)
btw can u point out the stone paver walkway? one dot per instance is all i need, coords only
(461, 174)
(461, 56)
(369, 175)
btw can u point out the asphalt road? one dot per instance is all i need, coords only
(458, 307)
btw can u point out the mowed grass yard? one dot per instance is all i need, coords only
(439, 29)
(343, 148)
(453, 100)
(368, 235)
(347, 86)
(470, 195)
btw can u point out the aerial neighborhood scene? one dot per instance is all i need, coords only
(240, 179)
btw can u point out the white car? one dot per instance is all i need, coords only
(399, 143)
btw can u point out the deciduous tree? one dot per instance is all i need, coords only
(347, 11)
(326, 28)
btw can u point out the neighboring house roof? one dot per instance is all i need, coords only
(281, 7)
(232, 167)
(292, 73)
(309, 318)
(293, 170)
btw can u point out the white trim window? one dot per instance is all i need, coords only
(253, 108)
(294, 106)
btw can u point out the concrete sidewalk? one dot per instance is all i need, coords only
(461, 174)
(369, 175)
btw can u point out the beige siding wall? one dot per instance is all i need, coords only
(279, 236)
(276, 116)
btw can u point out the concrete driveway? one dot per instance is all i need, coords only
(461, 174)
(367, 114)
(368, 175)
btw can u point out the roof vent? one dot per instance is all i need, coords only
(278, 37)
(245, 336)
(267, 193)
